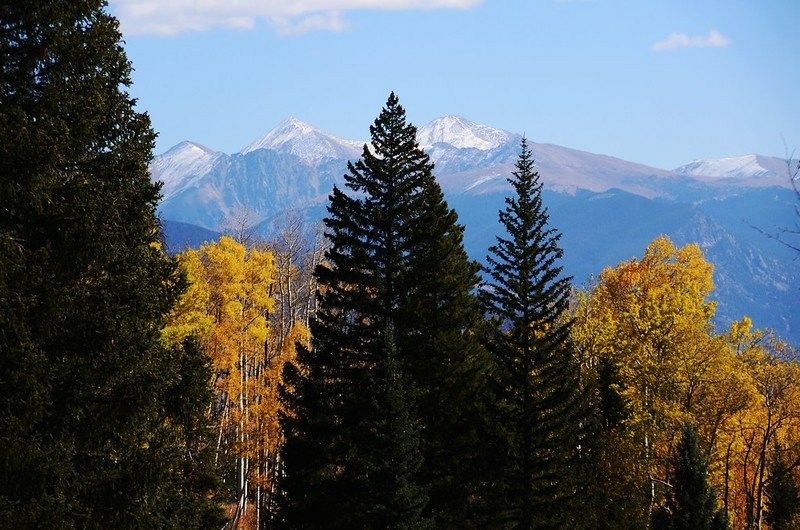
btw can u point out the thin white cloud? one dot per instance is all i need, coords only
(288, 17)
(330, 21)
(675, 41)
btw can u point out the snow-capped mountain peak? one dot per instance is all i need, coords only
(181, 164)
(739, 167)
(187, 151)
(461, 133)
(304, 141)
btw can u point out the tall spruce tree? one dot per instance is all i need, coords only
(540, 407)
(381, 431)
(352, 448)
(94, 424)
(691, 501)
(440, 345)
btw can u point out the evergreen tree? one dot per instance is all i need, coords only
(94, 427)
(540, 404)
(439, 342)
(385, 424)
(691, 502)
(783, 494)
(616, 496)
(352, 448)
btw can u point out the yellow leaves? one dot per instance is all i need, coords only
(650, 317)
(771, 380)
(666, 284)
(642, 308)
(189, 317)
(229, 306)
(299, 333)
(741, 389)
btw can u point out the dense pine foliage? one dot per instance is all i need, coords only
(381, 429)
(98, 420)
(543, 411)
(691, 501)
(782, 492)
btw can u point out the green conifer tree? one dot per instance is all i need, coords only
(439, 343)
(540, 405)
(691, 502)
(384, 423)
(94, 429)
(783, 494)
(352, 446)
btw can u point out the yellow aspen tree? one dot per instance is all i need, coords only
(189, 317)
(240, 293)
(650, 319)
(228, 307)
(773, 418)
(249, 307)
(269, 437)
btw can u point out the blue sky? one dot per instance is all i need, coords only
(661, 82)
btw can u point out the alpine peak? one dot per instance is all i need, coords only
(305, 141)
(461, 133)
(741, 167)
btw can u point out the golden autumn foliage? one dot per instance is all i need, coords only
(190, 315)
(234, 305)
(650, 320)
(647, 322)
(771, 420)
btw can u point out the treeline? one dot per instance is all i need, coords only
(365, 375)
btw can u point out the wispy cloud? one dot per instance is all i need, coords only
(288, 17)
(328, 21)
(675, 41)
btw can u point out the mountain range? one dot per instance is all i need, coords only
(607, 209)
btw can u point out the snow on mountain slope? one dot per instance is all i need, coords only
(461, 133)
(738, 167)
(297, 164)
(179, 167)
(306, 142)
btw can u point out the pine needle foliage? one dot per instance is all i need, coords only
(101, 425)
(384, 422)
(542, 413)
(691, 502)
(352, 447)
(783, 493)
